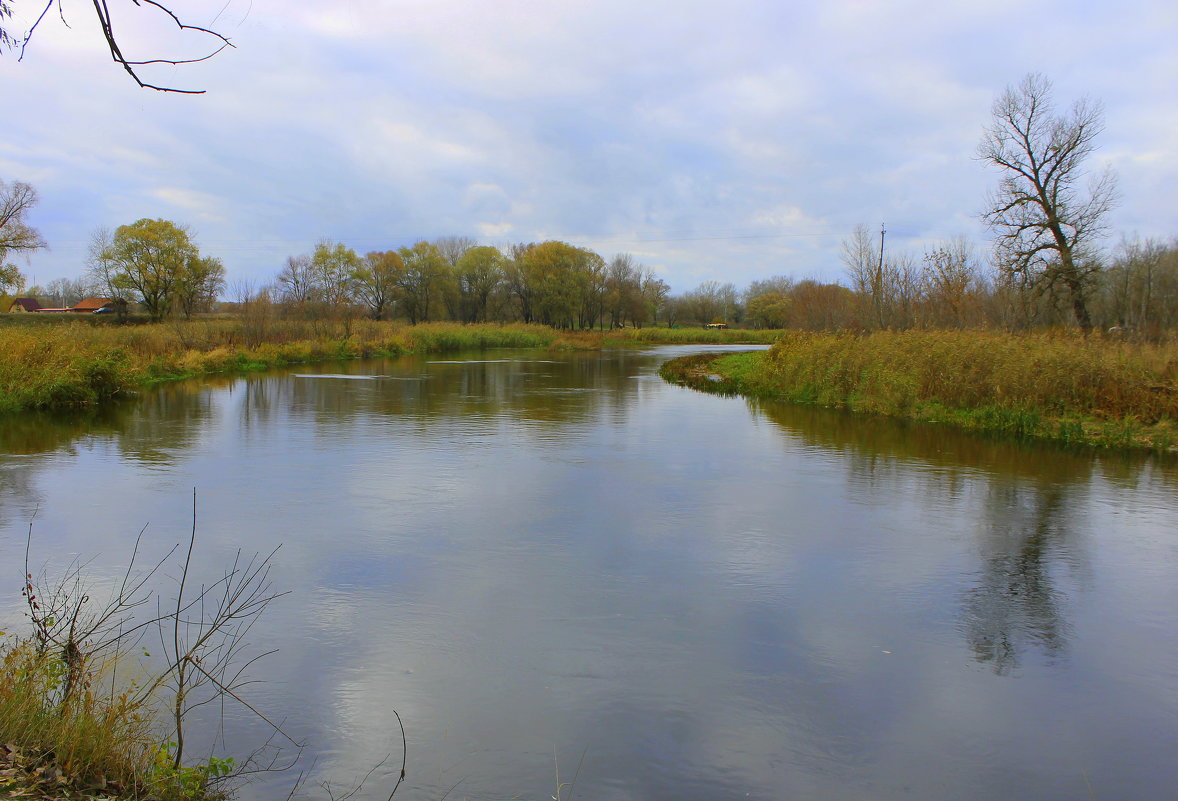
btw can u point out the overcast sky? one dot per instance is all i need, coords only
(712, 140)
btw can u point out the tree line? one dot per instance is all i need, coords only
(1046, 268)
(454, 278)
(157, 264)
(950, 285)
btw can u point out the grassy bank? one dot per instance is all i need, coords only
(97, 743)
(76, 363)
(81, 365)
(1087, 391)
(89, 710)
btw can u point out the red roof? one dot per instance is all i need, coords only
(90, 304)
(28, 304)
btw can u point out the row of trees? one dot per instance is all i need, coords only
(454, 278)
(948, 285)
(1046, 269)
(157, 264)
(951, 286)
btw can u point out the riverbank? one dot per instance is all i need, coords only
(76, 364)
(1094, 392)
(89, 745)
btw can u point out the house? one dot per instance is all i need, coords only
(24, 305)
(99, 306)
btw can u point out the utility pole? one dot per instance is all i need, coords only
(878, 283)
(882, 231)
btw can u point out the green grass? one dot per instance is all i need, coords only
(1066, 388)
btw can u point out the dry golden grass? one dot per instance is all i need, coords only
(1062, 386)
(100, 739)
(77, 364)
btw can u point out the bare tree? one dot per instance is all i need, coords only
(865, 267)
(105, 24)
(296, 281)
(65, 292)
(101, 270)
(623, 286)
(1046, 226)
(1141, 287)
(710, 302)
(15, 234)
(255, 310)
(452, 248)
(904, 291)
(65, 621)
(654, 295)
(950, 276)
(204, 638)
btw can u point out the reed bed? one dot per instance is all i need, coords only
(77, 364)
(74, 363)
(1058, 386)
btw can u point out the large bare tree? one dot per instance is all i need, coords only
(1047, 225)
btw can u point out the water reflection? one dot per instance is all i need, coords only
(23, 437)
(1026, 506)
(160, 426)
(168, 422)
(1017, 605)
(879, 443)
(539, 553)
(479, 392)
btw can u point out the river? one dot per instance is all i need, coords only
(560, 569)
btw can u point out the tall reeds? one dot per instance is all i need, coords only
(1059, 386)
(100, 737)
(77, 364)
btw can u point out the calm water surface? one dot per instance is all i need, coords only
(549, 561)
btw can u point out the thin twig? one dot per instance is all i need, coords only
(404, 755)
(246, 704)
(29, 35)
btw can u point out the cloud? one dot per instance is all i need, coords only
(675, 129)
(204, 206)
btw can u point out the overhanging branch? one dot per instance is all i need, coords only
(105, 23)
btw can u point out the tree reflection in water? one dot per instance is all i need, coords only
(1016, 604)
(1027, 521)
